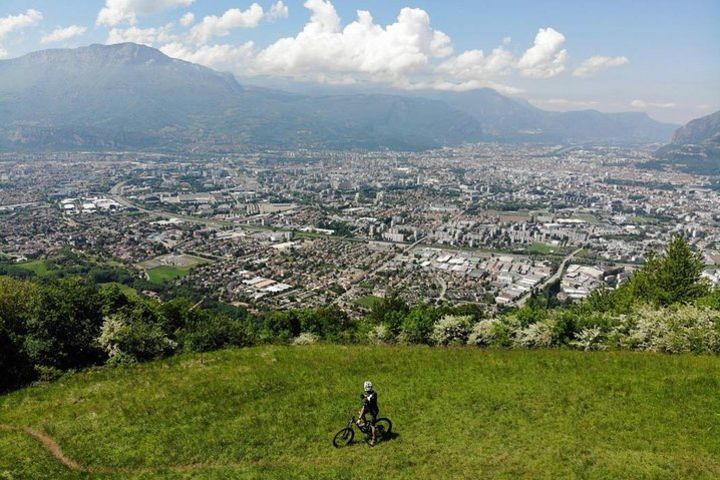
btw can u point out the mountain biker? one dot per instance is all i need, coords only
(369, 399)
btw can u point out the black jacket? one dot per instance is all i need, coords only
(370, 400)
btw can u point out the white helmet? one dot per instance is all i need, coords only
(368, 386)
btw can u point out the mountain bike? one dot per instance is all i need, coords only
(344, 437)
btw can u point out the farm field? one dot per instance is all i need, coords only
(271, 412)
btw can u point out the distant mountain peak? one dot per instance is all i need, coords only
(117, 54)
(701, 130)
(130, 52)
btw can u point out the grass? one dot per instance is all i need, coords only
(38, 267)
(368, 301)
(166, 273)
(271, 412)
(542, 248)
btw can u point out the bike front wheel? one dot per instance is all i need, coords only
(344, 437)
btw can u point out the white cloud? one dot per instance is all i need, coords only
(408, 53)
(187, 19)
(145, 36)
(22, 20)
(643, 105)
(16, 22)
(116, 12)
(475, 65)
(453, 86)
(278, 10)
(325, 51)
(213, 26)
(546, 58)
(222, 57)
(63, 33)
(563, 103)
(597, 63)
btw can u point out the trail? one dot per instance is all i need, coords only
(56, 451)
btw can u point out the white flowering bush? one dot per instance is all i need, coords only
(305, 338)
(482, 333)
(536, 335)
(451, 329)
(127, 341)
(682, 329)
(591, 338)
(380, 334)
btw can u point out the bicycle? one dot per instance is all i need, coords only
(344, 437)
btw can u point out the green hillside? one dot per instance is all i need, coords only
(271, 412)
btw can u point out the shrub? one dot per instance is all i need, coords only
(682, 329)
(380, 334)
(305, 338)
(483, 332)
(127, 340)
(451, 329)
(591, 338)
(537, 335)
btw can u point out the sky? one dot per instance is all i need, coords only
(656, 56)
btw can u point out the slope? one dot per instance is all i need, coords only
(271, 412)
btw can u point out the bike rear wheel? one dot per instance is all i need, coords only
(344, 437)
(384, 427)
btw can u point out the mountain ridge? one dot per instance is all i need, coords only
(695, 147)
(133, 96)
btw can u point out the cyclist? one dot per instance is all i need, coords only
(369, 399)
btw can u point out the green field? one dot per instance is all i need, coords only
(368, 301)
(271, 412)
(166, 273)
(38, 267)
(542, 248)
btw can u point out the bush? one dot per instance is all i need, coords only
(537, 335)
(127, 339)
(483, 332)
(305, 338)
(589, 339)
(683, 329)
(380, 334)
(451, 330)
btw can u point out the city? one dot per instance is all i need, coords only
(485, 224)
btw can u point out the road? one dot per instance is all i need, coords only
(115, 194)
(553, 278)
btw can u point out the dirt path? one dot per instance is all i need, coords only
(54, 449)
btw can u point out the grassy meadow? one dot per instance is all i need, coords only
(166, 273)
(271, 412)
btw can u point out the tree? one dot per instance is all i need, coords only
(417, 325)
(389, 311)
(674, 276)
(64, 325)
(16, 299)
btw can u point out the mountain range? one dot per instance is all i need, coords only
(129, 96)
